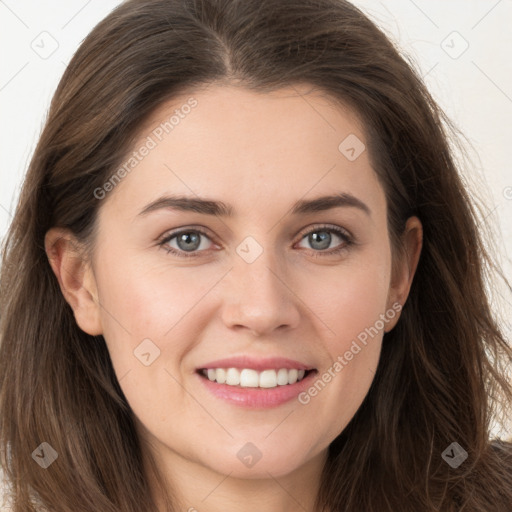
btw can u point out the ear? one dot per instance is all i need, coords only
(76, 278)
(405, 268)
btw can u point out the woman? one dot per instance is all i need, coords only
(172, 336)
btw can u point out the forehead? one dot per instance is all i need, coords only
(218, 140)
(295, 112)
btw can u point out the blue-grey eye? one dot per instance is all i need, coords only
(321, 238)
(188, 241)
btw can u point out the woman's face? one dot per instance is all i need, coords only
(282, 287)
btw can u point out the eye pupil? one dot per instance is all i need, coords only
(186, 237)
(323, 236)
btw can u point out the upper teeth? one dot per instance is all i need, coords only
(252, 379)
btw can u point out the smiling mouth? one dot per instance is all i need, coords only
(249, 378)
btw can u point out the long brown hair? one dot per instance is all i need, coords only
(442, 375)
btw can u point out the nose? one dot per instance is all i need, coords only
(259, 297)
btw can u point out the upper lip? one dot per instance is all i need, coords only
(258, 364)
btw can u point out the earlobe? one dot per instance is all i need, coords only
(403, 275)
(75, 277)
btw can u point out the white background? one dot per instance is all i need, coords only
(473, 86)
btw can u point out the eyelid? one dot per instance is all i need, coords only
(328, 227)
(184, 229)
(341, 232)
(304, 231)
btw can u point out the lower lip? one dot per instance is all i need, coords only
(261, 398)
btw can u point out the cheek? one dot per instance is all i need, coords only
(352, 307)
(144, 301)
(145, 315)
(351, 299)
(147, 298)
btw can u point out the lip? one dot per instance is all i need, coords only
(257, 398)
(258, 364)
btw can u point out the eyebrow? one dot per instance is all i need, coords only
(219, 208)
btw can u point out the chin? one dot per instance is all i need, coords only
(248, 462)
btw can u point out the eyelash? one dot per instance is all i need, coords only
(343, 234)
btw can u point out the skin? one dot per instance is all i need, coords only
(258, 153)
